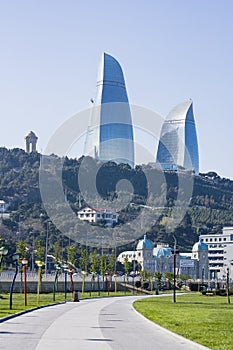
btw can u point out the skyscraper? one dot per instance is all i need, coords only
(110, 131)
(178, 146)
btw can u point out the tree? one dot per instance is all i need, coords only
(93, 261)
(93, 266)
(111, 264)
(40, 250)
(103, 266)
(71, 253)
(57, 251)
(83, 266)
(126, 266)
(22, 249)
(158, 279)
(71, 250)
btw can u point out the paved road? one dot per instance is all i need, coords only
(96, 324)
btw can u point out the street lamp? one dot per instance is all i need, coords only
(40, 264)
(46, 248)
(24, 263)
(65, 267)
(84, 273)
(174, 252)
(228, 292)
(58, 271)
(15, 259)
(202, 278)
(115, 282)
(3, 251)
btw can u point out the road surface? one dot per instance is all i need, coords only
(94, 324)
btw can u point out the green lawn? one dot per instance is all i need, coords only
(207, 320)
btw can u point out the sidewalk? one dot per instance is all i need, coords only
(98, 324)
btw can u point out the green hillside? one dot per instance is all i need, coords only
(210, 208)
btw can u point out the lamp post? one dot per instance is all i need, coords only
(58, 271)
(65, 267)
(15, 258)
(84, 273)
(115, 282)
(24, 263)
(202, 278)
(98, 281)
(46, 248)
(174, 252)
(107, 283)
(228, 292)
(3, 252)
(125, 284)
(39, 263)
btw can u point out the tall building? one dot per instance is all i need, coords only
(110, 131)
(220, 251)
(178, 146)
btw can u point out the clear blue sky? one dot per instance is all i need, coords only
(169, 50)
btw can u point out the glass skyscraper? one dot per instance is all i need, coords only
(178, 146)
(110, 132)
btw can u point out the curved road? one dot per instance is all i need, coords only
(94, 324)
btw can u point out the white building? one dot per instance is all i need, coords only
(161, 259)
(220, 252)
(93, 215)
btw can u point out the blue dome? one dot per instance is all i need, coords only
(161, 251)
(200, 246)
(145, 244)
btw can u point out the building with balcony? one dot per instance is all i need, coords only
(106, 216)
(220, 252)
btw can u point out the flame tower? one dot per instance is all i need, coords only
(110, 132)
(178, 146)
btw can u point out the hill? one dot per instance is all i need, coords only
(210, 208)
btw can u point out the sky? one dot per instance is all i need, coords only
(170, 51)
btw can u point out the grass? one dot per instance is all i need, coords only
(205, 320)
(45, 299)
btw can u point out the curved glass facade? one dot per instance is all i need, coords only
(178, 145)
(110, 131)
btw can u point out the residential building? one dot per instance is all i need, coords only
(107, 216)
(220, 252)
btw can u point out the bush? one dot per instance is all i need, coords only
(145, 285)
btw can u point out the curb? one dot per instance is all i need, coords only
(188, 341)
(6, 318)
